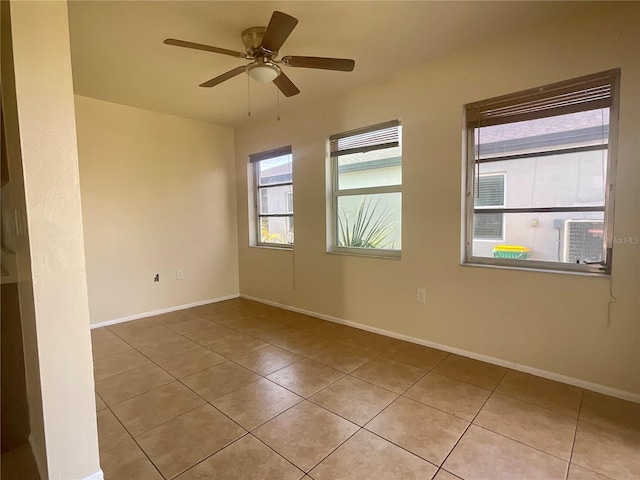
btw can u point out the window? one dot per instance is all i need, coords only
(273, 195)
(366, 167)
(489, 226)
(540, 176)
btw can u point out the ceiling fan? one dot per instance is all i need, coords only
(262, 45)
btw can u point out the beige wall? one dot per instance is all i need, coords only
(45, 112)
(553, 322)
(158, 194)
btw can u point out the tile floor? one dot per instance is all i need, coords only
(241, 390)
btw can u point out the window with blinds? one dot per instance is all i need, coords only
(366, 201)
(537, 161)
(273, 197)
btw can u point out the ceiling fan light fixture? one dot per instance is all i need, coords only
(263, 72)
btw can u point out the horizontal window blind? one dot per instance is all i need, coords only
(276, 152)
(375, 137)
(584, 93)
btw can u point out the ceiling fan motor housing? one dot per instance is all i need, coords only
(252, 40)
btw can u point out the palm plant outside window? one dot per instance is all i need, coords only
(367, 190)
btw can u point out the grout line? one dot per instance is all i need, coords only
(575, 434)
(473, 419)
(376, 355)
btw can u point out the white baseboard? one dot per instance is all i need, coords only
(95, 476)
(596, 387)
(137, 316)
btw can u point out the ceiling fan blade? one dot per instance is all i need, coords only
(341, 64)
(221, 78)
(206, 48)
(285, 85)
(280, 27)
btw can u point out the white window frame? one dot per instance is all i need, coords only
(255, 160)
(474, 114)
(336, 193)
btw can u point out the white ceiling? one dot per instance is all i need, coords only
(118, 54)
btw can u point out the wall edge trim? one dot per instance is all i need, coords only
(595, 387)
(162, 310)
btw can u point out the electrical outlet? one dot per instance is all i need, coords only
(421, 295)
(156, 278)
(179, 274)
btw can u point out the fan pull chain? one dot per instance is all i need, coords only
(278, 104)
(248, 96)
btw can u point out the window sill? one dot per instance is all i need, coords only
(284, 248)
(395, 256)
(537, 270)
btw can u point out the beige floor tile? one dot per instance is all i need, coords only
(106, 348)
(217, 381)
(444, 475)
(248, 322)
(303, 343)
(110, 430)
(370, 341)
(607, 451)
(417, 355)
(191, 362)
(272, 332)
(556, 396)
(424, 431)
(342, 357)
(133, 325)
(305, 434)
(366, 456)
(610, 412)
(120, 363)
(385, 373)
(535, 426)
(215, 333)
(100, 405)
(149, 335)
(483, 455)
(305, 377)
(237, 346)
(578, 473)
(129, 384)
(214, 307)
(188, 439)
(191, 325)
(258, 462)
(354, 399)
(471, 371)
(174, 318)
(102, 334)
(335, 331)
(256, 403)
(161, 350)
(157, 406)
(303, 322)
(267, 360)
(127, 461)
(227, 318)
(452, 396)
